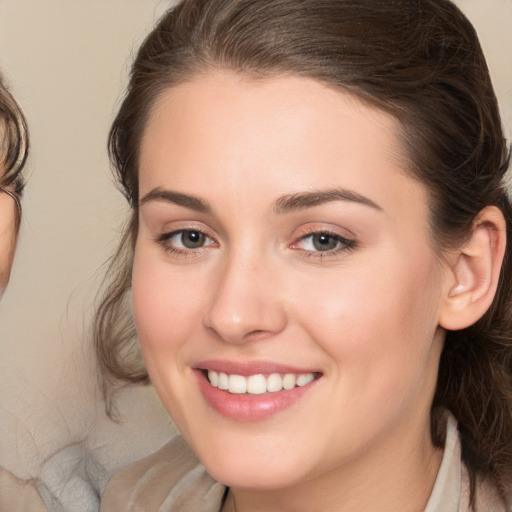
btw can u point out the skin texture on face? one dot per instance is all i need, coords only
(7, 237)
(306, 246)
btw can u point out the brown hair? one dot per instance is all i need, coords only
(13, 144)
(419, 60)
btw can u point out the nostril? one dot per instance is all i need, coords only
(240, 313)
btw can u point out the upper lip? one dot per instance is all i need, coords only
(246, 368)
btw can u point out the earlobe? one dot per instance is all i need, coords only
(474, 272)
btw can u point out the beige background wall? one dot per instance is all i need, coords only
(66, 61)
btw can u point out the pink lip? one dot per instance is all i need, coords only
(248, 407)
(250, 368)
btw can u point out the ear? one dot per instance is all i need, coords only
(474, 270)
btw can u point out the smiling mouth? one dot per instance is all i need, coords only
(258, 384)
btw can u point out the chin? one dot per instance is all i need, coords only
(254, 465)
(253, 478)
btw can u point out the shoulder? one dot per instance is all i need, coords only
(168, 480)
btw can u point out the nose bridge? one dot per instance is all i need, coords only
(244, 302)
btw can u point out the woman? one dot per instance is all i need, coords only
(13, 153)
(318, 260)
(15, 494)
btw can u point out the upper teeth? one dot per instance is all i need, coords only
(259, 383)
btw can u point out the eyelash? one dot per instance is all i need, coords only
(165, 240)
(342, 243)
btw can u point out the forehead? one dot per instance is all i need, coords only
(290, 133)
(240, 97)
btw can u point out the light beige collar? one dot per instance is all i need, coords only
(446, 494)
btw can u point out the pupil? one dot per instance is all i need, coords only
(192, 239)
(324, 242)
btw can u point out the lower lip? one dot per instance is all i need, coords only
(248, 407)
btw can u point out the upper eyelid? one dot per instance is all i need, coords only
(347, 242)
(335, 231)
(164, 241)
(178, 226)
(329, 233)
(306, 233)
(325, 232)
(300, 233)
(173, 232)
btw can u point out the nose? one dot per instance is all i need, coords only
(246, 303)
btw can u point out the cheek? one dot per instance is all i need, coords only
(375, 316)
(377, 329)
(7, 247)
(167, 306)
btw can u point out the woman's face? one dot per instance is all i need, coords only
(283, 250)
(7, 237)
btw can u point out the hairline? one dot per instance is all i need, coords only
(404, 157)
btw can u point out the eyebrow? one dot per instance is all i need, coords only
(284, 204)
(169, 196)
(304, 200)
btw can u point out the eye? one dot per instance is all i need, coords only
(323, 241)
(185, 239)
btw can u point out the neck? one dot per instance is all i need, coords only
(388, 477)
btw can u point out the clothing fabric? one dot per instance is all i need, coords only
(173, 480)
(69, 481)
